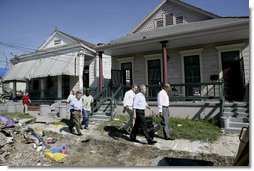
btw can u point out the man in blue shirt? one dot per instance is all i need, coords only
(139, 106)
(76, 109)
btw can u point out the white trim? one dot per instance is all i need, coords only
(191, 52)
(228, 48)
(125, 59)
(149, 58)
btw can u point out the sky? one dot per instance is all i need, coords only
(26, 24)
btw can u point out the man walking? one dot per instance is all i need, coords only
(163, 108)
(76, 109)
(127, 104)
(87, 104)
(139, 106)
(25, 101)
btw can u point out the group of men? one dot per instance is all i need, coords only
(79, 105)
(135, 105)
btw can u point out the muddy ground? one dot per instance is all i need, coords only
(108, 148)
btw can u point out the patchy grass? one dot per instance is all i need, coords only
(16, 115)
(203, 130)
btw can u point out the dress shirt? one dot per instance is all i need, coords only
(128, 98)
(76, 104)
(162, 99)
(139, 101)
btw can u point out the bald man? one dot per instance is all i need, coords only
(163, 108)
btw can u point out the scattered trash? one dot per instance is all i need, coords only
(85, 141)
(179, 125)
(51, 140)
(116, 119)
(9, 123)
(55, 156)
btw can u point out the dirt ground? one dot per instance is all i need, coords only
(108, 148)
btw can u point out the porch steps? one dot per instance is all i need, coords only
(238, 114)
(102, 115)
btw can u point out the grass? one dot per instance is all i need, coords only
(202, 130)
(16, 115)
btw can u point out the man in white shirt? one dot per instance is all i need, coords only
(139, 106)
(163, 108)
(127, 104)
(68, 101)
(76, 109)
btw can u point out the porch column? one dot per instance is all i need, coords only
(100, 71)
(81, 69)
(59, 86)
(42, 87)
(14, 89)
(164, 61)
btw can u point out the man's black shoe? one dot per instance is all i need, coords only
(152, 142)
(169, 138)
(125, 131)
(134, 140)
(80, 134)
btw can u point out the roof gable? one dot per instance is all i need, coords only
(177, 9)
(59, 39)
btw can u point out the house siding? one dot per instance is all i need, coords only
(188, 16)
(246, 61)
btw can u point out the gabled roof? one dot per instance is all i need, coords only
(71, 38)
(178, 2)
(170, 32)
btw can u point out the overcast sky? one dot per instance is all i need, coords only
(28, 23)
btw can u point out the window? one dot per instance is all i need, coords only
(159, 23)
(169, 19)
(179, 19)
(192, 73)
(127, 73)
(57, 41)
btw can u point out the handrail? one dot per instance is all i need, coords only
(114, 101)
(100, 98)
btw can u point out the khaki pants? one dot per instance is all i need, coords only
(129, 123)
(25, 108)
(75, 120)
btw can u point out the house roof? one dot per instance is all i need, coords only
(53, 66)
(180, 35)
(178, 2)
(178, 29)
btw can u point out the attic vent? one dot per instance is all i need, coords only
(158, 23)
(169, 19)
(179, 19)
(57, 41)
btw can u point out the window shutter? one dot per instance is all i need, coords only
(169, 19)
(159, 23)
(179, 19)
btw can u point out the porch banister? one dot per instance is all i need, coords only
(164, 61)
(100, 71)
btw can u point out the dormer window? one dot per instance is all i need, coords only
(57, 41)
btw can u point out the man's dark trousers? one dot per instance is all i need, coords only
(140, 123)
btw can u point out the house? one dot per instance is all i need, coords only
(205, 58)
(60, 64)
(182, 44)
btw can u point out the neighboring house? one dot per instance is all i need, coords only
(180, 44)
(61, 63)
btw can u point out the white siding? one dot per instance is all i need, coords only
(246, 60)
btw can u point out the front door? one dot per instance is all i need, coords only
(127, 73)
(86, 77)
(233, 76)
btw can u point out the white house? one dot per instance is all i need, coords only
(61, 63)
